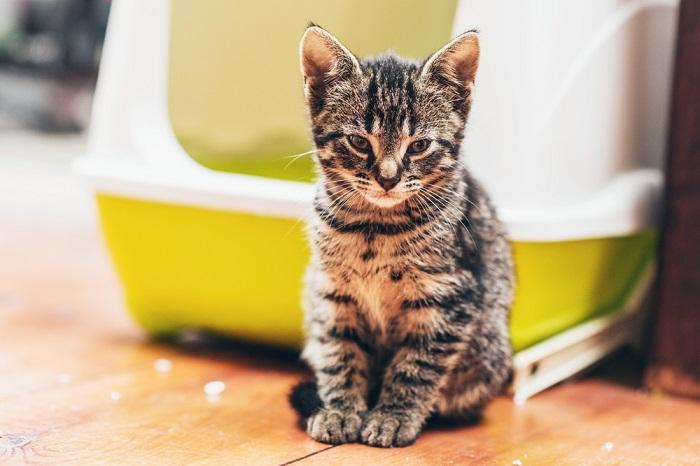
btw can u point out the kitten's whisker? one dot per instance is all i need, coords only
(439, 211)
(459, 217)
(343, 202)
(337, 203)
(463, 197)
(336, 191)
(421, 212)
(296, 156)
(428, 214)
(443, 213)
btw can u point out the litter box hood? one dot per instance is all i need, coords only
(553, 177)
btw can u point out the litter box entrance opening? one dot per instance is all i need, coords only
(235, 90)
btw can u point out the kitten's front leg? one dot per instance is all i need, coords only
(410, 387)
(340, 358)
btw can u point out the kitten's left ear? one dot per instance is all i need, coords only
(456, 63)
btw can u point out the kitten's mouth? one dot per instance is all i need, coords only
(384, 199)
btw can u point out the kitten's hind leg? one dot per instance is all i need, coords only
(470, 387)
(465, 407)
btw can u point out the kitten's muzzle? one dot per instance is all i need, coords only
(388, 174)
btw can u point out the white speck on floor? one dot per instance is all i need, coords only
(10, 442)
(162, 365)
(214, 388)
(517, 463)
(115, 396)
(607, 446)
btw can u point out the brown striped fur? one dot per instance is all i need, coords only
(410, 285)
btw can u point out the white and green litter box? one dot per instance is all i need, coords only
(199, 108)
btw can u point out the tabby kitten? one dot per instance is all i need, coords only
(410, 285)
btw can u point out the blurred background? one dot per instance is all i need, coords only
(49, 56)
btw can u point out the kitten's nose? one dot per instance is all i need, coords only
(388, 173)
(388, 183)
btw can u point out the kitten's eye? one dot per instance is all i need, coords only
(359, 143)
(416, 147)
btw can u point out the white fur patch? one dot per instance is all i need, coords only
(388, 168)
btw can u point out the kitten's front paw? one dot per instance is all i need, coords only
(382, 429)
(334, 426)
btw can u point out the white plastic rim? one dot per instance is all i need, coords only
(627, 205)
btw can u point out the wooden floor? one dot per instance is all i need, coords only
(78, 385)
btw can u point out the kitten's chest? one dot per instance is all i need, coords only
(373, 261)
(379, 278)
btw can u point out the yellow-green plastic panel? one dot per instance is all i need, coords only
(561, 284)
(241, 274)
(235, 88)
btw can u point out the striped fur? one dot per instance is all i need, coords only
(409, 289)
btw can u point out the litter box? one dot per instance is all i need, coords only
(204, 220)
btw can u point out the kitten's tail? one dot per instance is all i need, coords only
(304, 398)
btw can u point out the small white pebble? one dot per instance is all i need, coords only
(115, 396)
(65, 378)
(517, 463)
(162, 365)
(214, 388)
(607, 446)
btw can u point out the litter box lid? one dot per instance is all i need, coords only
(133, 152)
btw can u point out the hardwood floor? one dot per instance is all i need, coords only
(78, 385)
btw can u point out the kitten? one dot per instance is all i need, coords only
(411, 281)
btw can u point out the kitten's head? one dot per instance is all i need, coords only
(386, 128)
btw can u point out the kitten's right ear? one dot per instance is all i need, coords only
(324, 60)
(456, 64)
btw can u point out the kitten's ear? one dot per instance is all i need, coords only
(456, 62)
(324, 60)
